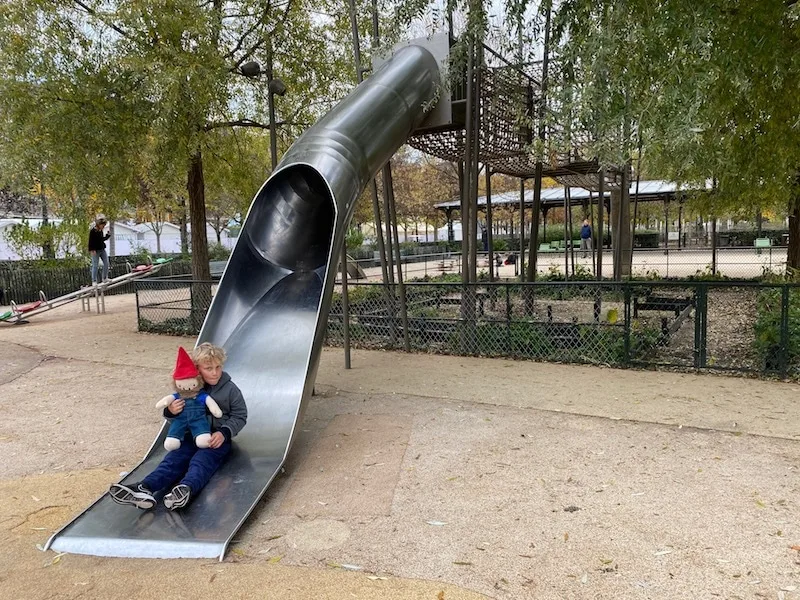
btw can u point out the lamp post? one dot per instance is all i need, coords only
(274, 86)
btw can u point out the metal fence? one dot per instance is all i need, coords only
(737, 327)
(648, 263)
(21, 281)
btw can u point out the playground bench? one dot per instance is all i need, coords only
(761, 243)
(455, 298)
(661, 303)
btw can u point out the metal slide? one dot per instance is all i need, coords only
(270, 313)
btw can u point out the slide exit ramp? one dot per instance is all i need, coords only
(270, 313)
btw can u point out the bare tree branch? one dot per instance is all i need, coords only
(242, 123)
(91, 11)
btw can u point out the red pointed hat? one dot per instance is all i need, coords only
(184, 366)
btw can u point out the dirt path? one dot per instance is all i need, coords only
(436, 477)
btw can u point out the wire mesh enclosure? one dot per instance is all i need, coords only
(739, 327)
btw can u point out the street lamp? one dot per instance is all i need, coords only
(274, 86)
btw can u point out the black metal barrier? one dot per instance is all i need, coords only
(737, 327)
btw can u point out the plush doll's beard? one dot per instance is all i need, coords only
(188, 386)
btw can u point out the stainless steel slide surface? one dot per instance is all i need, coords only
(270, 313)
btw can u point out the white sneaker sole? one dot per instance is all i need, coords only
(122, 494)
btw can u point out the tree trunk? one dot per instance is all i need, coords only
(47, 243)
(182, 218)
(793, 252)
(201, 271)
(195, 185)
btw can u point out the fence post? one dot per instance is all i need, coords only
(784, 353)
(700, 326)
(627, 317)
(508, 319)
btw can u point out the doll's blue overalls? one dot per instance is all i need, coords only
(192, 417)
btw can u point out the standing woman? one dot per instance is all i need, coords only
(97, 248)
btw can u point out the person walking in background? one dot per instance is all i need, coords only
(97, 248)
(586, 237)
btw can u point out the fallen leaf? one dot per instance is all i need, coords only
(57, 558)
(274, 537)
(440, 595)
(662, 552)
(437, 523)
(566, 537)
(606, 561)
(462, 562)
(351, 567)
(795, 547)
(237, 551)
(375, 578)
(275, 559)
(35, 499)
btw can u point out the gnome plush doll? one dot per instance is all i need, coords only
(189, 386)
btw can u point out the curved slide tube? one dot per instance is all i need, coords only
(270, 314)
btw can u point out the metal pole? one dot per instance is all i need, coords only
(566, 239)
(600, 201)
(393, 217)
(537, 182)
(466, 202)
(476, 149)
(489, 224)
(273, 142)
(521, 230)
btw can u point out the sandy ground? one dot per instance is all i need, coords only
(418, 476)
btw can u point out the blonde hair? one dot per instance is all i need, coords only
(206, 351)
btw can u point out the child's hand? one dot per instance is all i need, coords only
(217, 439)
(176, 406)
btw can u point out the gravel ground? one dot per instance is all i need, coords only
(418, 476)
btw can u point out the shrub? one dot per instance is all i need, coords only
(218, 252)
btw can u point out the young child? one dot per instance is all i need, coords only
(189, 468)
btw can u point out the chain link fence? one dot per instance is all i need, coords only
(21, 281)
(172, 305)
(736, 263)
(733, 327)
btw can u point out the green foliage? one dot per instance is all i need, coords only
(707, 275)
(767, 329)
(67, 238)
(218, 252)
(142, 255)
(354, 239)
(499, 245)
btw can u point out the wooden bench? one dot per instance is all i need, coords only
(456, 299)
(661, 303)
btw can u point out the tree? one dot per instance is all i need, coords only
(86, 86)
(710, 88)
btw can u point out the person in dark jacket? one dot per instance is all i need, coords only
(189, 468)
(97, 248)
(586, 237)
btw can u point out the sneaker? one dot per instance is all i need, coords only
(178, 497)
(134, 494)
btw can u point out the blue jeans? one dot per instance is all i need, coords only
(188, 465)
(99, 254)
